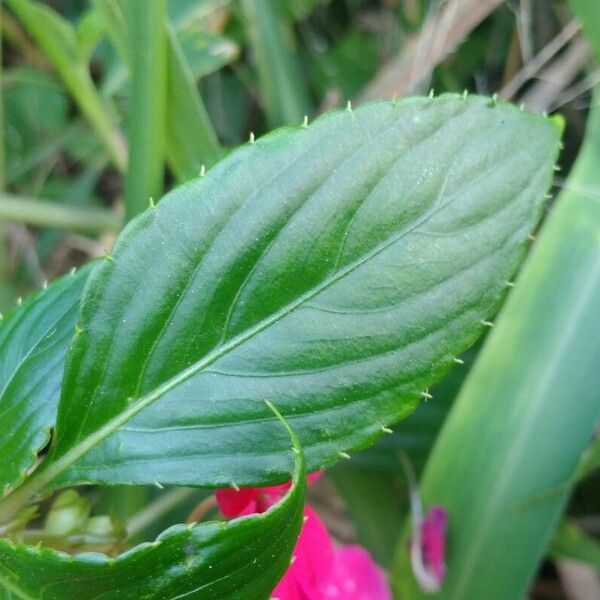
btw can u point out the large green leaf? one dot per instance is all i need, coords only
(239, 560)
(508, 453)
(336, 269)
(33, 342)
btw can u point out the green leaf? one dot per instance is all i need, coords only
(33, 342)
(589, 13)
(206, 52)
(148, 114)
(273, 47)
(241, 559)
(507, 455)
(571, 543)
(191, 139)
(58, 39)
(336, 269)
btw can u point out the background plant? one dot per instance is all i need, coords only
(108, 105)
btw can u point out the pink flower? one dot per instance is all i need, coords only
(319, 570)
(428, 549)
(247, 501)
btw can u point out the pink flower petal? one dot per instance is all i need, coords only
(358, 576)
(320, 572)
(433, 540)
(236, 503)
(246, 501)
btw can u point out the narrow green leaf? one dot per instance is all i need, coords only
(191, 139)
(589, 14)
(241, 559)
(272, 43)
(336, 269)
(33, 342)
(571, 543)
(147, 117)
(46, 213)
(507, 455)
(58, 39)
(590, 461)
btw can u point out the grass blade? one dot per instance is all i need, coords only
(191, 140)
(147, 127)
(45, 213)
(507, 455)
(57, 38)
(284, 95)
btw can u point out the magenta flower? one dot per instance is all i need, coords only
(247, 501)
(428, 549)
(319, 570)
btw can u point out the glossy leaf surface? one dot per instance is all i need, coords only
(238, 560)
(33, 342)
(335, 269)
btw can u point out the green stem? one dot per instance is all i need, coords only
(45, 213)
(151, 513)
(272, 42)
(147, 128)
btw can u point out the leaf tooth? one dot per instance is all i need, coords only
(73, 271)
(202, 170)
(431, 93)
(458, 361)
(342, 454)
(108, 256)
(509, 284)
(493, 100)
(426, 395)
(235, 486)
(465, 94)
(151, 202)
(19, 301)
(385, 429)
(252, 139)
(159, 485)
(45, 284)
(349, 107)
(487, 323)
(305, 122)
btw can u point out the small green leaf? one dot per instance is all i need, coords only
(58, 39)
(241, 559)
(570, 542)
(336, 269)
(33, 342)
